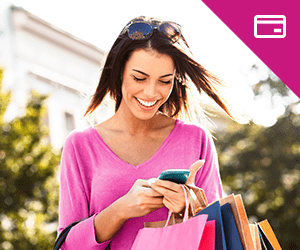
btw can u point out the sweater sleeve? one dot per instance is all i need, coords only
(74, 203)
(208, 177)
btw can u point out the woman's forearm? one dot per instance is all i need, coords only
(139, 201)
(108, 222)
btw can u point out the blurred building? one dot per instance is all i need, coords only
(37, 55)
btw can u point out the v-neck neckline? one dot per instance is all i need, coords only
(116, 157)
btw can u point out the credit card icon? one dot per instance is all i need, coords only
(269, 26)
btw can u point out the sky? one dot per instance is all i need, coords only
(213, 44)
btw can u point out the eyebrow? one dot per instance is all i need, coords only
(143, 73)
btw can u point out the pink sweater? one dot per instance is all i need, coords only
(93, 177)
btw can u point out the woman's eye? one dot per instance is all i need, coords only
(166, 82)
(138, 79)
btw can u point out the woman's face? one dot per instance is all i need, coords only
(147, 83)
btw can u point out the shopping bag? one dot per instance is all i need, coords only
(255, 236)
(214, 213)
(232, 237)
(234, 219)
(208, 236)
(267, 236)
(198, 197)
(241, 219)
(185, 235)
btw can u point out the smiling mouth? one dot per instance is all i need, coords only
(146, 104)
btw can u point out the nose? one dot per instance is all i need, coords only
(151, 90)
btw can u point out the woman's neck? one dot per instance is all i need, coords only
(133, 125)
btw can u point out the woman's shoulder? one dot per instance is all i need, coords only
(191, 128)
(80, 135)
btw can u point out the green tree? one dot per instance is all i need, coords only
(263, 164)
(28, 187)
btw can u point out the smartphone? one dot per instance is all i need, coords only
(176, 175)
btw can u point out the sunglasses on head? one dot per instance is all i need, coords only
(142, 30)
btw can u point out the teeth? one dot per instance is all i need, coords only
(146, 104)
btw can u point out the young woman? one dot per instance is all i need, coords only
(105, 168)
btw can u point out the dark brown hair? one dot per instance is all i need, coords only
(187, 70)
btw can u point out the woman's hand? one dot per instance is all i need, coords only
(140, 200)
(146, 196)
(173, 194)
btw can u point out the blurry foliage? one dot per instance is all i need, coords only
(28, 186)
(271, 82)
(263, 164)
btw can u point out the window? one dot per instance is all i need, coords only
(70, 122)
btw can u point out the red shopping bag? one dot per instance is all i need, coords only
(208, 236)
(186, 235)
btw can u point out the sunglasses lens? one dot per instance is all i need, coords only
(172, 30)
(139, 31)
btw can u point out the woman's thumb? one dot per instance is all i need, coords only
(193, 171)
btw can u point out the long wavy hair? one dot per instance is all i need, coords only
(188, 71)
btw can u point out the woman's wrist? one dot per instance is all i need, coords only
(108, 222)
(119, 210)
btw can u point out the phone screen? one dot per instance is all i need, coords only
(175, 175)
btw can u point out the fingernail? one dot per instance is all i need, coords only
(151, 181)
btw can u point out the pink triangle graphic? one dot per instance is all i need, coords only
(281, 55)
